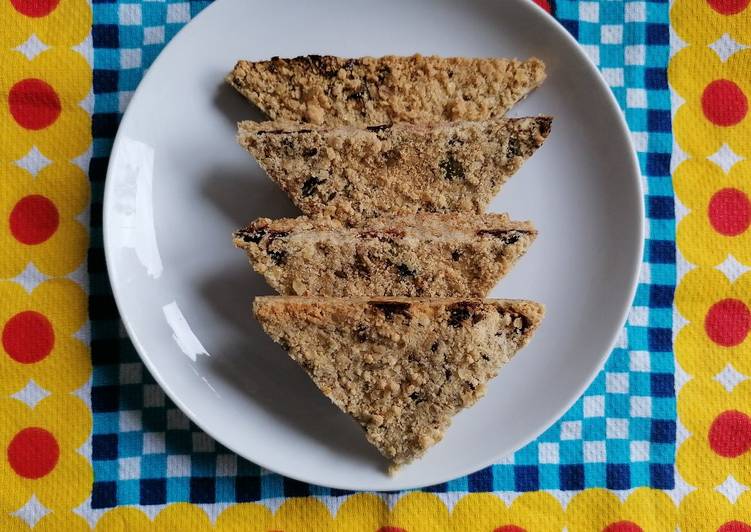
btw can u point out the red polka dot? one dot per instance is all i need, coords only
(730, 434)
(728, 7)
(730, 211)
(734, 526)
(728, 322)
(34, 219)
(33, 452)
(724, 103)
(35, 8)
(509, 528)
(28, 337)
(34, 104)
(623, 526)
(391, 529)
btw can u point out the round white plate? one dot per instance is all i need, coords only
(178, 185)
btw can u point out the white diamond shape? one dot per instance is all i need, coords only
(34, 161)
(725, 46)
(84, 333)
(80, 275)
(86, 49)
(31, 394)
(731, 489)
(30, 278)
(681, 377)
(725, 158)
(678, 155)
(729, 377)
(82, 161)
(732, 268)
(676, 43)
(680, 490)
(680, 210)
(32, 47)
(87, 104)
(32, 511)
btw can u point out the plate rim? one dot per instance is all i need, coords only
(621, 127)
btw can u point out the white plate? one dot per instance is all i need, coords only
(178, 185)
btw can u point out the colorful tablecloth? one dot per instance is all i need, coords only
(660, 440)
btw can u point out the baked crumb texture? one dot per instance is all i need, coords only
(428, 255)
(369, 90)
(402, 367)
(393, 161)
(449, 167)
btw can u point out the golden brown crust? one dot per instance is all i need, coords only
(402, 367)
(436, 255)
(377, 90)
(450, 167)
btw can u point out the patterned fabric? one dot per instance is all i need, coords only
(619, 435)
(76, 440)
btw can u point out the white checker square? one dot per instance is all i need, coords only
(645, 271)
(130, 58)
(131, 373)
(202, 443)
(571, 430)
(153, 443)
(589, 11)
(641, 406)
(639, 451)
(226, 465)
(636, 54)
(177, 13)
(616, 429)
(129, 14)
(124, 98)
(178, 465)
(638, 316)
(593, 52)
(637, 99)
(153, 35)
(594, 451)
(616, 382)
(594, 406)
(621, 341)
(548, 453)
(129, 468)
(640, 361)
(636, 11)
(507, 459)
(153, 396)
(611, 34)
(176, 420)
(130, 420)
(613, 76)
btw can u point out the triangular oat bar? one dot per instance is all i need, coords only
(348, 173)
(377, 90)
(401, 367)
(428, 255)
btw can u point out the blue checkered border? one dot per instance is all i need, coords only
(619, 435)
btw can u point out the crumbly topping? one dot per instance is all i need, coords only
(369, 90)
(402, 367)
(333, 171)
(436, 255)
